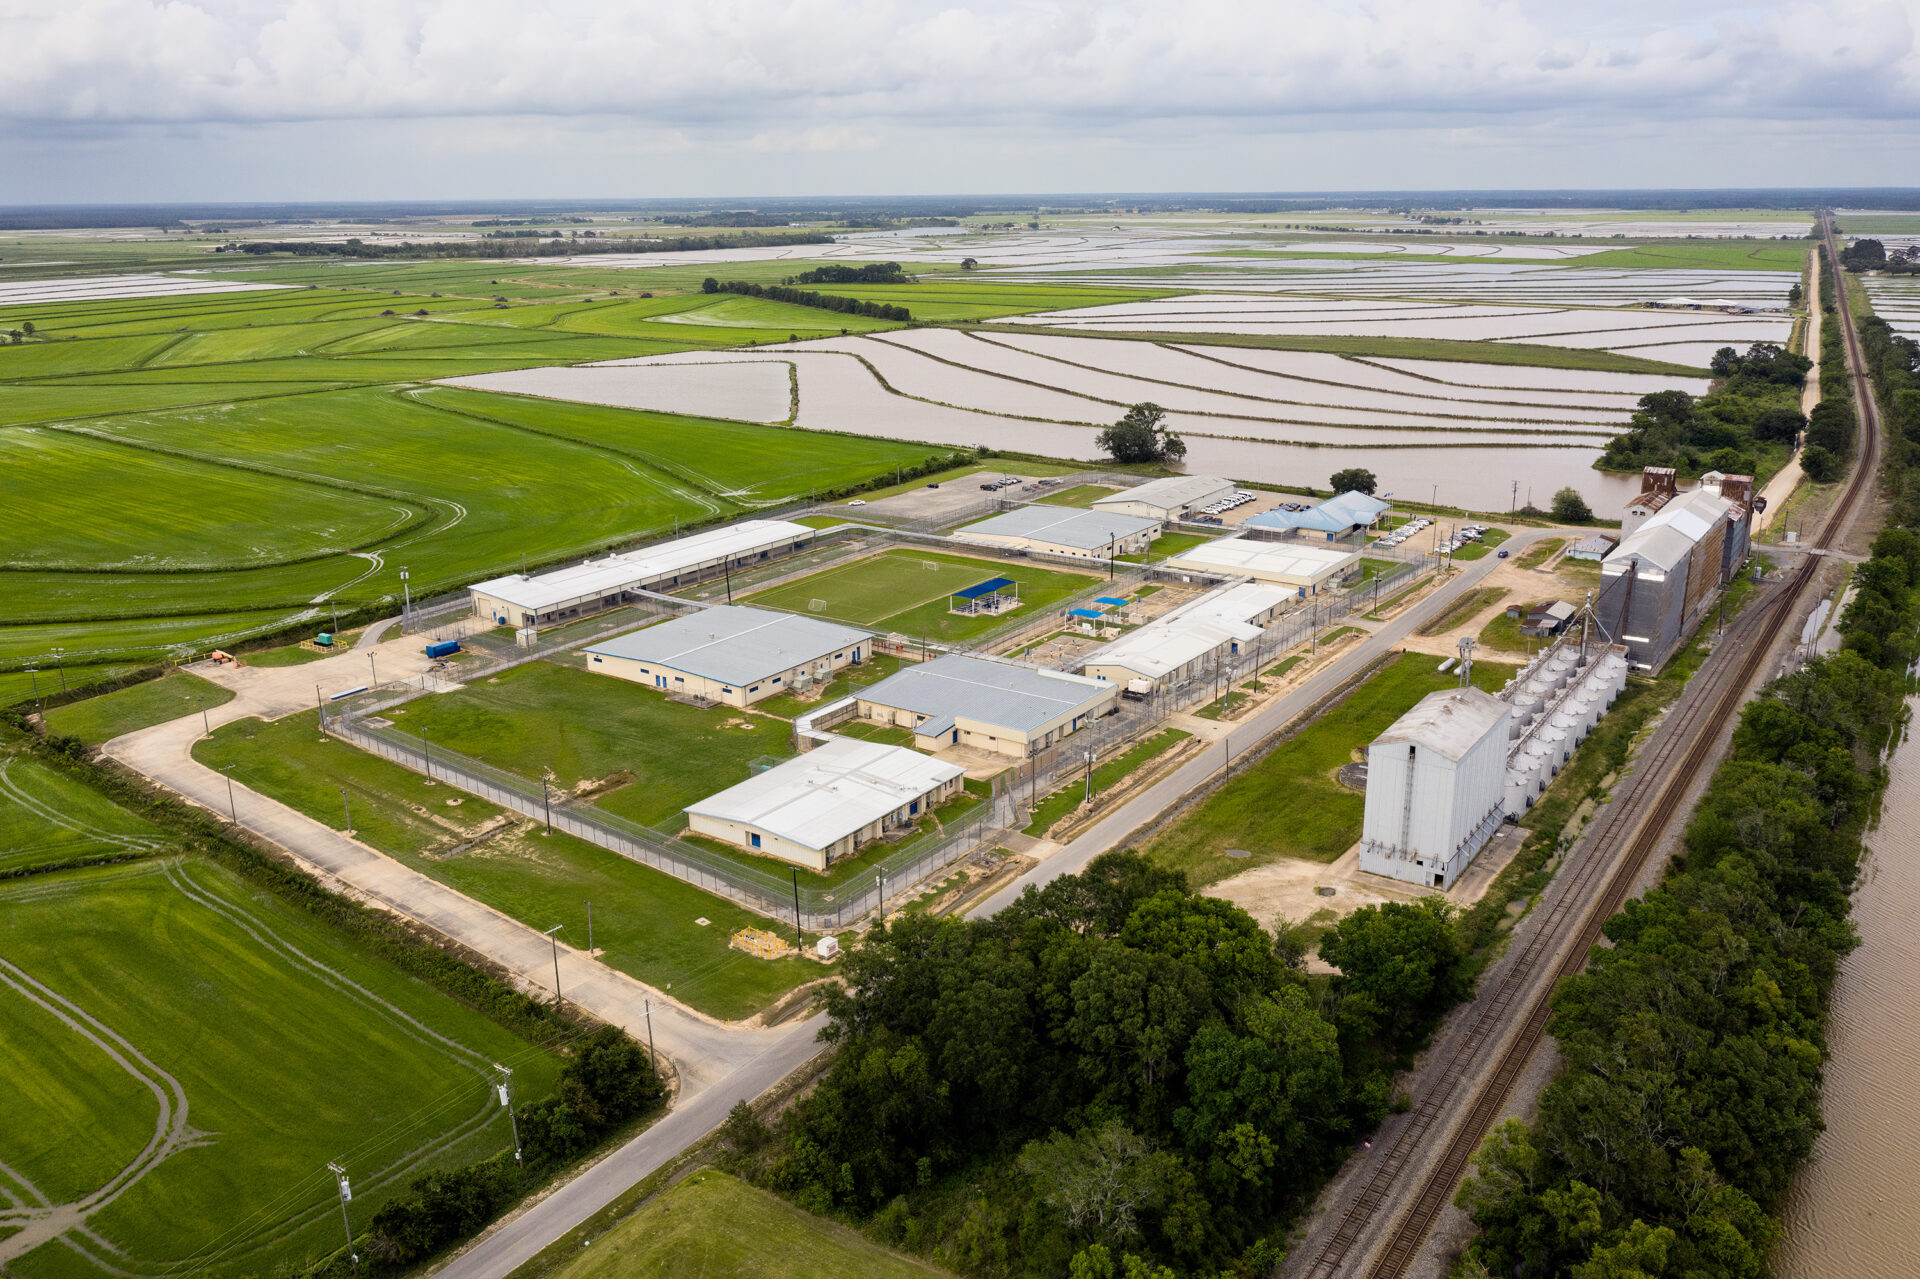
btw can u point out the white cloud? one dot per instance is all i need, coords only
(801, 64)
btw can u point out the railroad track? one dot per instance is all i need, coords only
(1595, 888)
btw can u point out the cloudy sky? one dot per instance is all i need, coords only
(117, 100)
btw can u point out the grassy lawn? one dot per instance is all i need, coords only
(644, 921)
(1170, 544)
(1105, 776)
(1371, 568)
(824, 521)
(235, 1003)
(1284, 665)
(896, 591)
(871, 670)
(103, 718)
(1081, 495)
(46, 819)
(1503, 632)
(1288, 803)
(1463, 608)
(713, 1226)
(1540, 552)
(891, 734)
(542, 719)
(1484, 547)
(294, 655)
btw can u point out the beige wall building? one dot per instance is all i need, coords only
(731, 654)
(988, 704)
(816, 809)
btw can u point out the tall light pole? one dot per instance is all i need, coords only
(653, 1058)
(406, 602)
(556, 962)
(349, 807)
(589, 930)
(232, 808)
(346, 1197)
(372, 666)
(60, 663)
(38, 708)
(505, 1090)
(205, 723)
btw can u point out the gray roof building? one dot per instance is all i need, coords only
(1001, 700)
(1088, 532)
(732, 644)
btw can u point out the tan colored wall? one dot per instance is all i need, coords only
(679, 681)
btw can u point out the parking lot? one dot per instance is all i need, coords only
(954, 500)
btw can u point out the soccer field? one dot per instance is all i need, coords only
(179, 1083)
(898, 591)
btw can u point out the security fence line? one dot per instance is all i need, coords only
(814, 909)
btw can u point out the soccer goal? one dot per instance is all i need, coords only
(816, 606)
(930, 566)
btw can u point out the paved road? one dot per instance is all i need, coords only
(1114, 829)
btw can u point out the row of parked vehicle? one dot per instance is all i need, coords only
(1212, 511)
(1405, 531)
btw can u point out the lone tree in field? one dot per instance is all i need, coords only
(1570, 508)
(967, 264)
(1354, 479)
(1139, 437)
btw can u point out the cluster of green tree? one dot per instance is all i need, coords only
(1353, 479)
(870, 273)
(1111, 1076)
(21, 334)
(1749, 419)
(522, 249)
(1693, 1045)
(1893, 367)
(1141, 436)
(803, 297)
(1832, 427)
(609, 1082)
(485, 222)
(1872, 255)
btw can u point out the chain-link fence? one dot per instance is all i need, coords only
(815, 909)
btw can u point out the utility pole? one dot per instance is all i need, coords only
(346, 1197)
(589, 930)
(1227, 769)
(653, 1058)
(406, 603)
(345, 803)
(1089, 795)
(557, 999)
(205, 724)
(797, 939)
(880, 892)
(374, 667)
(38, 708)
(426, 755)
(726, 567)
(546, 798)
(505, 1090)
(60, 663)
(232, 808)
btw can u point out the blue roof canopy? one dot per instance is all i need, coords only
(987, 587)
(1091, 613)
(1110, 599)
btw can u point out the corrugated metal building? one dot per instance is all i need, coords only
(1172, 498)
(1305, 567)
(818, 808)
(1062, 530)
(1435, 788)
(731, 654)
(986, 703)
(522, 600)
(1663, 575)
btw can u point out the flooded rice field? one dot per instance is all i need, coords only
(1896, 299)
(747, 391)
(1855, 1210)
(103, 287)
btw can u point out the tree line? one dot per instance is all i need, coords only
(517, 248)
(1693, 1046)
(1749, 416)
(1115, 1075)
(837, 273)
(802, 297)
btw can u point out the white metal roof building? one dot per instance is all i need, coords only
(1171, 498)
(986, 703)
(1063, 530)
(732, 654)
(1192, 638)
(522, 600)
(820, 807)
(1302, 565)
(1436, 787)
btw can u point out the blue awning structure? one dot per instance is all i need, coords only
(987, 587)
(1112, 600)
(1091, 614)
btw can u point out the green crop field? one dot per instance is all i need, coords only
(896, 591)
(246, 458)
(713, 1226)
(187, 1074)
(645, 923)
(47, 820)
(1287, 803)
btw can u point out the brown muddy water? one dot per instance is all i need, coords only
(1855, 1210)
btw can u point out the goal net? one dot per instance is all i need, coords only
(816, 606)
(930, 566)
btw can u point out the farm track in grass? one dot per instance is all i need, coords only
(247, 457)
(152, 1149)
